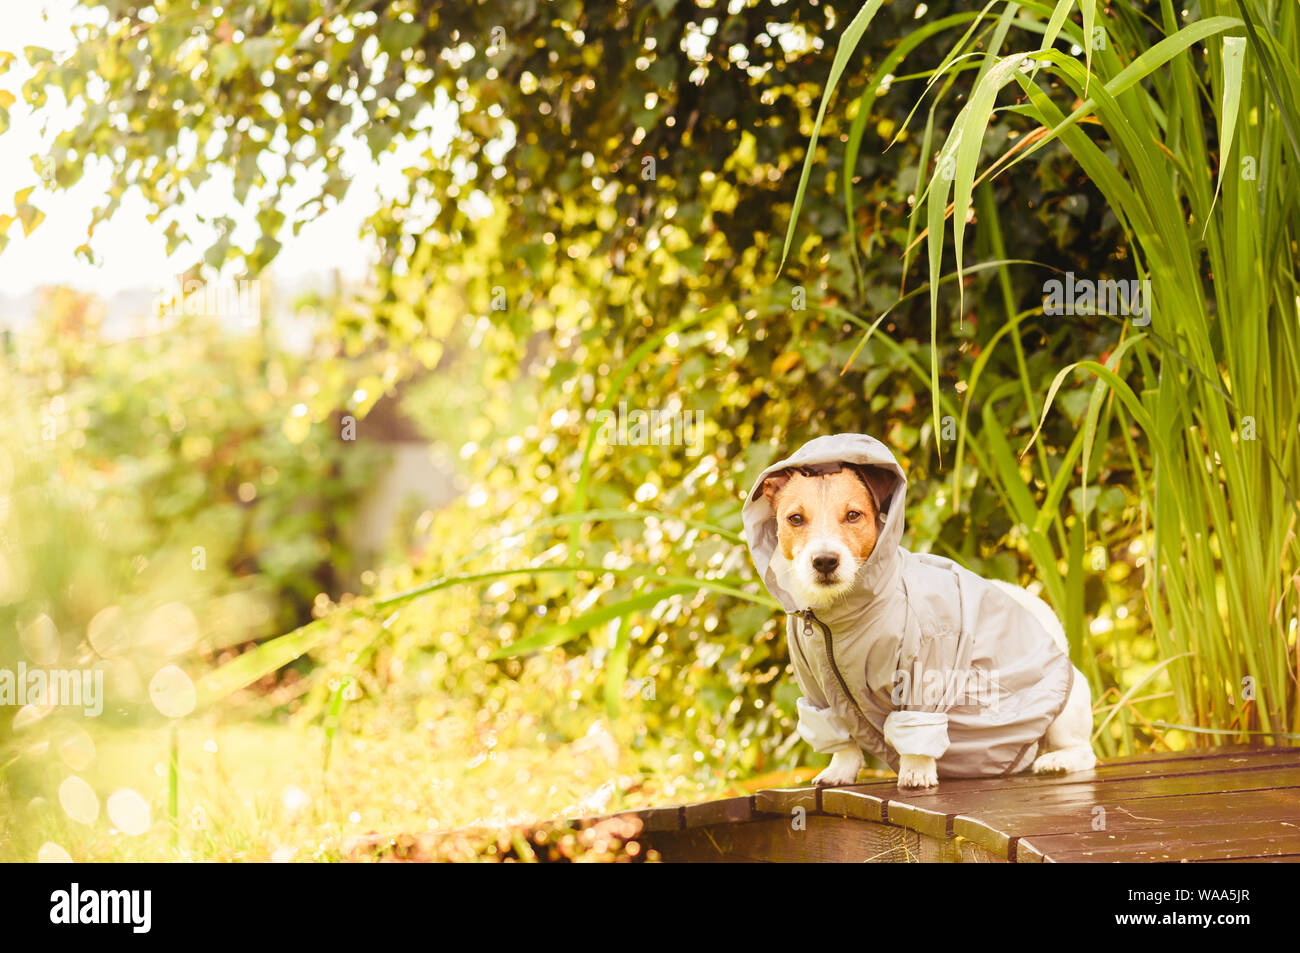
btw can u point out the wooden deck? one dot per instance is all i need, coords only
(1208, 805)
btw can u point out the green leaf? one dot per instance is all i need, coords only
(1125, 393)
(1234, 54)
(308, 34)
(262, 661)
(554, 635)
(616, 667)
(848, 43)
(1155, 670)
(225, 60)
(868, 100)
(260, 52)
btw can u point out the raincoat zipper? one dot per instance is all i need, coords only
(809, 617)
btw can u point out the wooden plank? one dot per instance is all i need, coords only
(1196, 753)
(884, 785)
(1166, 763)
(660, 818)
(775, 840)
(1011, 786)
(786, 800)
(1191, 805)
(1076, 807)
(969, 852)
(1228, 762)
(995, 842)
(990, 838)
(918, 810)
(1181, 762)
(1174, 843)
(1277, 859)
(908, 809)
(1026, 853)
(993, 821)
(914, 817)
(826, 839)
(1139, 813)
(854, 802)
(730, 810)
(1112, 772)
(936, 850)
(1225, 762)
(1063, 848)
(1034, 798)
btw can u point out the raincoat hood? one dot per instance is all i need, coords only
(882, 568)
(921, 656)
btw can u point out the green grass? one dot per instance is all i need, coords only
(259, 792)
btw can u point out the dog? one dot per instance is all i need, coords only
(823, 527)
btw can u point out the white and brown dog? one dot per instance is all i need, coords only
(868, 617)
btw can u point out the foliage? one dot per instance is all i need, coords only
(150, 485)
(534, 273)
(1218, 367)
(524, 482)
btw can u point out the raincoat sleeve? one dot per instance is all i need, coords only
(917, 732)
(819, 726)
(919, 726)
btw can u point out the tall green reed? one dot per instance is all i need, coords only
(1196, 153)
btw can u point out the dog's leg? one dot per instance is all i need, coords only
(1068, 738)
(917, 771)
(843, 769)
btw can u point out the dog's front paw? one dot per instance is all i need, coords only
(917, 771)
(834, 779)
(843, 769)
(1066, 760)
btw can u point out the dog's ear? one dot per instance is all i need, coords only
(773, 484)
(879, 483)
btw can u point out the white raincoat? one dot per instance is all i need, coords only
(922, 657)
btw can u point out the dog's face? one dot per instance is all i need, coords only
(826, 529)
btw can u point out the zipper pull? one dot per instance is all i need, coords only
(807, 626)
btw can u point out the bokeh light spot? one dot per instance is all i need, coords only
(172, 692)
(171, 629)
(40, 639)
(52, 853)
(79, 800)
(129, 812)
(107, 632)
(77, 751)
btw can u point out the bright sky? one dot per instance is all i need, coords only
(132, 251)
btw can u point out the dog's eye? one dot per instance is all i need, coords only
(852, 516)
(795, 519)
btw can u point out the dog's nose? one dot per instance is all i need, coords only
(826, 564)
